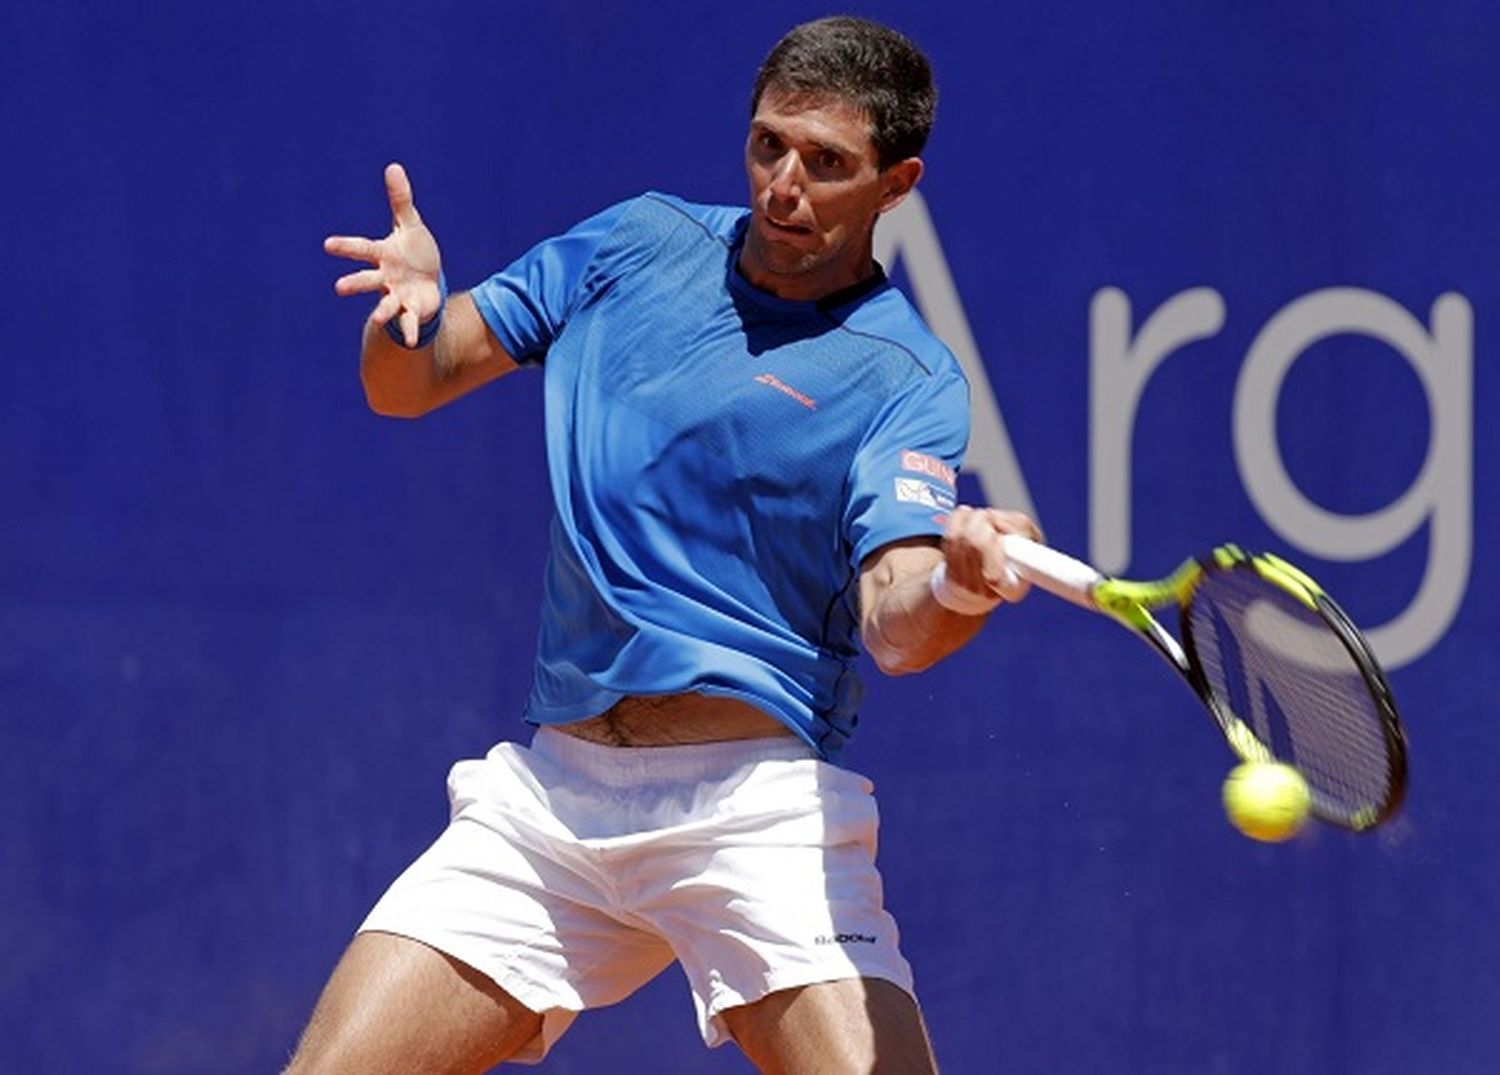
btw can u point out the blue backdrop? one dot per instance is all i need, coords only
(1220, 271)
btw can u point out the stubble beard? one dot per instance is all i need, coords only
(783, 259)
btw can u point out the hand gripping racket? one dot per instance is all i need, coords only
(1284, 673)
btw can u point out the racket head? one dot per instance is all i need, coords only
(1290, 678)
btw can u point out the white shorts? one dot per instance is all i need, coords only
(573, 873)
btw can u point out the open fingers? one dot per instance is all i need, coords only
(398, 190)
(410, 327)
(357, 283)
(388, 307)
(355, 247)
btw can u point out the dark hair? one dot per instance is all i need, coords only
(873, 67)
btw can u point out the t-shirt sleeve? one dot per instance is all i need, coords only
(527, 303)
(904, 479)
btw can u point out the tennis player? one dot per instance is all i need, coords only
(752, 441)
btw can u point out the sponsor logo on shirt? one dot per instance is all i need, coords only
(918, 491)
(845, 938)
(781, 386)
(921, 463)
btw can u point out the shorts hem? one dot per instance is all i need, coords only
(715, 1033)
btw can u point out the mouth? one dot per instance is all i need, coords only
(777, 227)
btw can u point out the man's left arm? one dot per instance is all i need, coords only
(904, 625)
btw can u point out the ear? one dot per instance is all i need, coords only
(897, 182)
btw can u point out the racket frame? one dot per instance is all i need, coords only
(1129, 602)
(1295, 582)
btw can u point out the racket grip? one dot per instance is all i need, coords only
(1057, 573)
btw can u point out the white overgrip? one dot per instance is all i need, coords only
(1057, 573)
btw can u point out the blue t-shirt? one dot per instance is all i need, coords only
(721, 461)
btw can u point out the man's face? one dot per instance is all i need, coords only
(816, 187)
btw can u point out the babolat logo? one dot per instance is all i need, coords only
(845, 938)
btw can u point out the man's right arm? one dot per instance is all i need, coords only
(906, 626)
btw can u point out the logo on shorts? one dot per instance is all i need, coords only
(845, 938)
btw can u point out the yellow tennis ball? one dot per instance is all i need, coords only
(1266, 800)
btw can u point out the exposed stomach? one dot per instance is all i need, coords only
(675, 719)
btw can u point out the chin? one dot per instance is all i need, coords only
(784, 258)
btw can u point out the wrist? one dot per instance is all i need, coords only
(957, 598)
(426, 331)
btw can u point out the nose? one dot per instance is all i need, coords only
(786, 182)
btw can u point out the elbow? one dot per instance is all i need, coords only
(896, 657)
(389, 404)
(394, 409)
(893, 661)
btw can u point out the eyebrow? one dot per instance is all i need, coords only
(835, 147)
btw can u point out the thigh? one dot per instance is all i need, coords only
(854, 1025)
(395, 1005)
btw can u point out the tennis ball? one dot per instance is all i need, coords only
(1266, 800)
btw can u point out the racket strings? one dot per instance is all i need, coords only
(1283, 670)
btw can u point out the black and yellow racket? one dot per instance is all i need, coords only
(1284, 673)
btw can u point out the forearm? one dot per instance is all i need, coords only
(398, 382)
(408, 383)
(905, 629)
(905, 626)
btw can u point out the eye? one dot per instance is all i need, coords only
(767, 142)
(830, 161)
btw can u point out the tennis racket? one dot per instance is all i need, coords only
(1281, 669)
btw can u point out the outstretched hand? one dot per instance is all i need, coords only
(407, 263)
